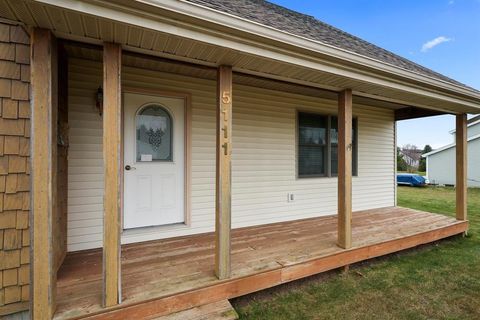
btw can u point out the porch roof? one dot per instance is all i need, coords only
(281, 18)
(187, 31)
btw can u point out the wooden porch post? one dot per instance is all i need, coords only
(43, 159)
(112, 166)
(223, 176)
(461, 166)
(345, 169)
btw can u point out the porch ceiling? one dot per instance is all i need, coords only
(160, 33)
(92, 52)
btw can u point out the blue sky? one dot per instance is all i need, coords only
(404, 27)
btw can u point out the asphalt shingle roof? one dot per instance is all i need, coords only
(293, 22)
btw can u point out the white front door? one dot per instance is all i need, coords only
(154, 168)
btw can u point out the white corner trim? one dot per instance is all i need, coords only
(448, 146)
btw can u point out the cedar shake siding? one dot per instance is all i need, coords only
(14, 169)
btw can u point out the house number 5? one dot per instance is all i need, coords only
(226, 97)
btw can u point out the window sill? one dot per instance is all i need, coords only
(320, 177)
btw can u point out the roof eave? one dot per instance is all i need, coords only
(468, 125)
(257, 29)
(448, 146)
(249, 32)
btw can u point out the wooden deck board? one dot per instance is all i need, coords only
(165, 276)
(220, 310)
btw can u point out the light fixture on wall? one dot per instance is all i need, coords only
(99, 100)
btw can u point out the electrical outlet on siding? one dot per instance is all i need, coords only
(290, 197)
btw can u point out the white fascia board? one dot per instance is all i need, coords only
(143, 19)
(448, 146)
(468, 125)
(243, 24)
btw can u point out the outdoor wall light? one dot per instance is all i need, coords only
(99, 100)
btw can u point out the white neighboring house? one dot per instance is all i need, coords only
(441, 162)
(411, 156)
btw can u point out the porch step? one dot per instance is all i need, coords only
(220, 310)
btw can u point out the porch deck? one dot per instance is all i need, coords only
(164, 276)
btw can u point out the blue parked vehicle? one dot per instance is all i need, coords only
(411, 179)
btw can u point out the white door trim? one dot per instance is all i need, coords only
(187, 144)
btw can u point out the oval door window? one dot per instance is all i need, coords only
(154, 134)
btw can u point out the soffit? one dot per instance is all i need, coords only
(92, 29)
(78, 50)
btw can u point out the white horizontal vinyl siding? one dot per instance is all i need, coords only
(263, 157)
(473, 130)
(441, 165)
(85, 158)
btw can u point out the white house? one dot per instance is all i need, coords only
(412, 156)
(157, 156)
(441, 162)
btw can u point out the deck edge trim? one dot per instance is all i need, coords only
(232, 288)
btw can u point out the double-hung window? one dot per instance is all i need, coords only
(318, 145)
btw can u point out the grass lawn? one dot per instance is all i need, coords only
(439, 281)
(422, 173)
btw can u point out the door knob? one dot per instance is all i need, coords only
(128, 167)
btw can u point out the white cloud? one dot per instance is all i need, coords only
(435, 42)
(451, 2)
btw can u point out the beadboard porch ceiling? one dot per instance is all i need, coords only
(93, 52)
(157, 32)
